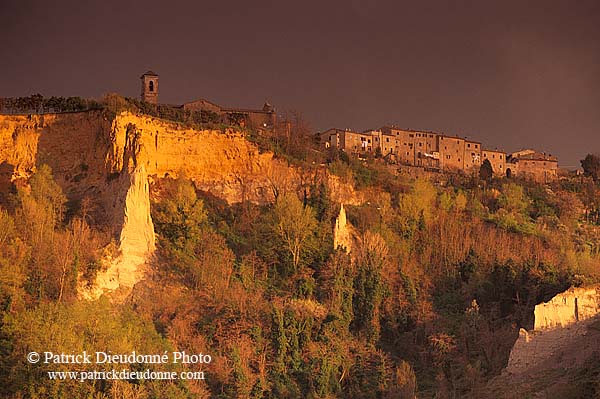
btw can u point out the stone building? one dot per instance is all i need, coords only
(497, 159)
(413, 147)
(531, 164)
(472, 156)
(351, 142)
(452, 152)
(256, 118)
(439, 151)
(149, 82)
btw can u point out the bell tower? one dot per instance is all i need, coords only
(149, 87)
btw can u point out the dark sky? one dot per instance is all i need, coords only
(512, 74)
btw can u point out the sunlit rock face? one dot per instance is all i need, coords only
(559, 328)
(110, 160)
(131, 215)
(341, 232)
(571, 306)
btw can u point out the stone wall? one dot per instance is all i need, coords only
(472, 156)
(497, 160)
(452, 150)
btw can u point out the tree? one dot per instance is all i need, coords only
(294, 223)
(513, 198)
(485, 170)
(180, 216)
(369, 286)
(591, 166)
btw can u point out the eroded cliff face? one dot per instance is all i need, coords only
(569, 307)
(225, 164)
(74, 145)
(558, 324)
(132, 219)
(110, 160)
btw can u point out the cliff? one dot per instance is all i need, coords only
(547, 359)
(557, 322)
(111, 160)
(569, 307)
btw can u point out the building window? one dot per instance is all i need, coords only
(469, 145)
(476, 146)
(458, 159)
(411, 135)
(420, 144)
(500, 156)
(151, 86)
(493, 156)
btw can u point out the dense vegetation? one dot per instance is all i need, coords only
(441, 275)
(36, 103)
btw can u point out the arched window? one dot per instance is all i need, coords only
(151, 86)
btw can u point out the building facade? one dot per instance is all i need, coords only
(452, 152)
(439, 151)
(497, 159)
(534, 165)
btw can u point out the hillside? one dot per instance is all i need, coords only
(303, 274)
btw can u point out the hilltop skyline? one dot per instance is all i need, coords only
(510, 75)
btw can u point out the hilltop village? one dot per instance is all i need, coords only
(430, 151)
(440, 152)
(425, 149)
